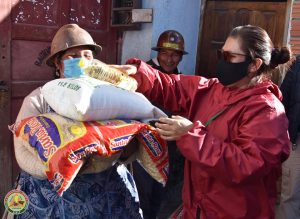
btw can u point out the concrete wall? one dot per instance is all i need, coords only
(180, 15)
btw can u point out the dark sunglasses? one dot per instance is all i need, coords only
(227, 56)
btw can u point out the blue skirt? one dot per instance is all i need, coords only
(110, 194)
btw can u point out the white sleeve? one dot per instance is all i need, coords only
(33, 105)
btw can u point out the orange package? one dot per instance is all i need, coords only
(62, 144)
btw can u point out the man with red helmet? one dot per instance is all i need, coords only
(158, 201)
(170, 48)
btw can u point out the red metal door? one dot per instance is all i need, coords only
(26, 30)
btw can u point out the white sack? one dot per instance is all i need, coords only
(89, 99)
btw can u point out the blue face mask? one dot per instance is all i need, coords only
(74, 68)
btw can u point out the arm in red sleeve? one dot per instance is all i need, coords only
(173, 92)
(261, 144)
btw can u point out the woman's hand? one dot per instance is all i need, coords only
(173, 128)
(127, 69)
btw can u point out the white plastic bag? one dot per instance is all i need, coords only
(89, 99)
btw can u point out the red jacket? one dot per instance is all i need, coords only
(232, 165)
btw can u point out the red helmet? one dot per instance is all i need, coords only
(170, 39)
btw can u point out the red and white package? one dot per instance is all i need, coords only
(62, 144)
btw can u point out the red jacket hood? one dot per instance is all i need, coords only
(261, 88)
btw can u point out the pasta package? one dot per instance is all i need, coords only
(63, 144)
(152, 154)
(104, 72)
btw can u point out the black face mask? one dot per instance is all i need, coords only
(229, 73)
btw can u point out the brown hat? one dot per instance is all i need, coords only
(170, 39)
(69, 36)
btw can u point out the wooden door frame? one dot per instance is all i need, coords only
(6, 163)
(8, 34)
(202, 12)
(288, 14)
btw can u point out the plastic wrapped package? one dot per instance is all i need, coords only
(63, 145)
(89, 99)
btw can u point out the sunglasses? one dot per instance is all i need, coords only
(227, 56)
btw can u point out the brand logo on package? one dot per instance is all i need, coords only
(120, 143)
(16, 201)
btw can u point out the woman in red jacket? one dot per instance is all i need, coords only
(231, 130)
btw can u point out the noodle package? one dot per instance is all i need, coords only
(63, 144)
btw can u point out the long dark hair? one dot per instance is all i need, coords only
(256, 43)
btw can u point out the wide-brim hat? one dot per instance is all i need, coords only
(70, 36)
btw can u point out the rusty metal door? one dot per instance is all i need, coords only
(26, 30)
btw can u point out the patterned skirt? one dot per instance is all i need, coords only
(110, 194)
